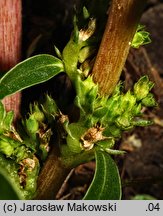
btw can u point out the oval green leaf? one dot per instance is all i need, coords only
(106, 184)
(8, 190)
(32, 71)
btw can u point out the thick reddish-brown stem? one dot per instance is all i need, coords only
(122, 22)
(55, 171)
(10, 43)
(51, 177)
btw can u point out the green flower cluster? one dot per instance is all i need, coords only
(19, 151)
(10, 143)
(79, 48)
(102, 120)
(16, 157)
(37, 132)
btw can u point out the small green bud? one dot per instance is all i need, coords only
(112, 130)
(75, 132)
(114, 108)
(49, 106)
(137, 110)
(141, 37)
(86, 93)
(21, 153)
(5, 147)
(90, 121)
(31, 167)
(32, 125)
(128, 102)
(149, 101)
(39, 116)
(58, 53)
(100, 112)
(76, 30)
(102, 101)
(87, 85)
(73, 144)
(118, 89)
(44, 151)
(86, 14)
(142, 87)
(108, 143)
(13, 148)
(90, 98)
(124, 121)
(8, 120)
(44, 139)
(85, 53)
(37, 113)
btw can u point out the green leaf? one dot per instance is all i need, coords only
(32, 71)
(106, 184)
(8, 189)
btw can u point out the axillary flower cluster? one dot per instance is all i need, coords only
(23, 150)
(103, 119)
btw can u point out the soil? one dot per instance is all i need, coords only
(141, 169)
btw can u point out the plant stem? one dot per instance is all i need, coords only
(55, 172)
(124, 16)
(10, 44)
(84, 157)
(52, 177)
